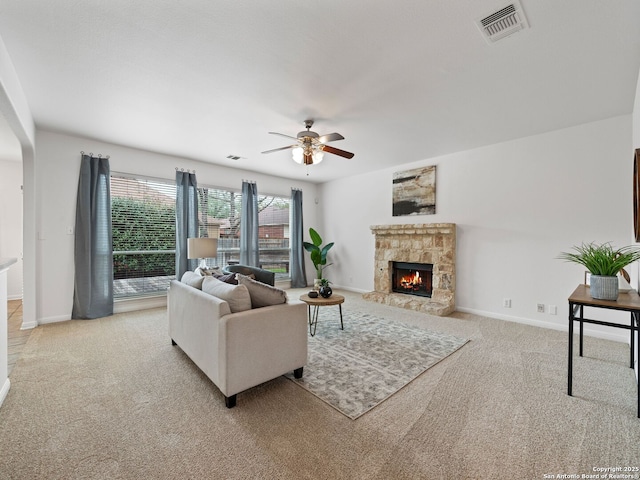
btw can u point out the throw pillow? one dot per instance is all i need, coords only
(192, 279)
(237, 296)
(227, 278)
(262, 295)
(208, 271)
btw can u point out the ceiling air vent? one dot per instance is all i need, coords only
(233, 157)
(504, 22)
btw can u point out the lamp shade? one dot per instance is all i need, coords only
(202, 248)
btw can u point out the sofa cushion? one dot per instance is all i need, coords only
(262, 295)
(192, 279)
(237, 296)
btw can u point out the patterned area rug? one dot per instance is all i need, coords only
(357, 368)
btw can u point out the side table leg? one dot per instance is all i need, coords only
(341, 324)
(570, 366)
(314, 322)
(581, 328)
(633, 338)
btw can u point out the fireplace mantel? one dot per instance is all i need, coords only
(433, 243)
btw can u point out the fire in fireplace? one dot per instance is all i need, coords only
(412, 278)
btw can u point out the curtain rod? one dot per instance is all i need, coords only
(249, 181)
(91, 155)
(296, 189)
(185, 170)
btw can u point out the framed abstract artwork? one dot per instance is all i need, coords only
(414, 192)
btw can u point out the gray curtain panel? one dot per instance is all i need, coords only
(186, 219)
(298, 272)
(93, 287)
(249, 250)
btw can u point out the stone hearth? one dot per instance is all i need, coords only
(433, 243)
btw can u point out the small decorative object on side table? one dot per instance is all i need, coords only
(325, 289)
(604, 262)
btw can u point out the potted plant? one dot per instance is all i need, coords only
(325, 290)
(603, 262)
(318, 254)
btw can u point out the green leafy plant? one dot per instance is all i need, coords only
(317, 252)
(324, 282)
(602, 259)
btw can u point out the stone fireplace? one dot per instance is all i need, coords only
(415, 267)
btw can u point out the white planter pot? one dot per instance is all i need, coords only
(604, 288)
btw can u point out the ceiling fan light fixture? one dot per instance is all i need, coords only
(298, 155)
(318, 155)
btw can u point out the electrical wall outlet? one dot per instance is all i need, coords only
(506, 302)
(541, 308)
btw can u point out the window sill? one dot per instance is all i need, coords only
(123, 305)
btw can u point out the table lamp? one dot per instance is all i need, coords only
(202, 248)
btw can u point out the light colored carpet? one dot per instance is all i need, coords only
(111, 398)
(355, 369)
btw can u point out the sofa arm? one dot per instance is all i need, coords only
(261, 344)
(194, 324)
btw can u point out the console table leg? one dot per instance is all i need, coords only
(633, 339)
(581, 328)
(570, 366)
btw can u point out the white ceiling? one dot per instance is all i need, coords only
(402, 81)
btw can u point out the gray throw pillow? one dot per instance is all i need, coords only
(192, 279)
(262, 295)
(237, 296)
(227, 278)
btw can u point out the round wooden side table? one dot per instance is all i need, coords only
(318, 302)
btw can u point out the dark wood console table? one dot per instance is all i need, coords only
(627, 302)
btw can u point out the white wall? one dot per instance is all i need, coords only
(636, 117)
(517, 205)
(11, 223)
(58, 166)
(15, 110)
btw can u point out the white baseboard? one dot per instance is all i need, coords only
(543, 324)
(4, 390)
(14, 297)
(351, 289)
(119, 306)
(28, 325)
(54, 319)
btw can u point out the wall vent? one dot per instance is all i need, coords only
(233, 157)
(504, 22)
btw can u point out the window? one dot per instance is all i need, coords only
(144, 232)
(219, 212)
(143, 215)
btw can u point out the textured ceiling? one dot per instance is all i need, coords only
(402, 81)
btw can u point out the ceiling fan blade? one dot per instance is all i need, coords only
(331, 137)
(283, 135)
(282, 148)
(337, 151)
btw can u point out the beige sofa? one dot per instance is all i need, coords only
(237, 350)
